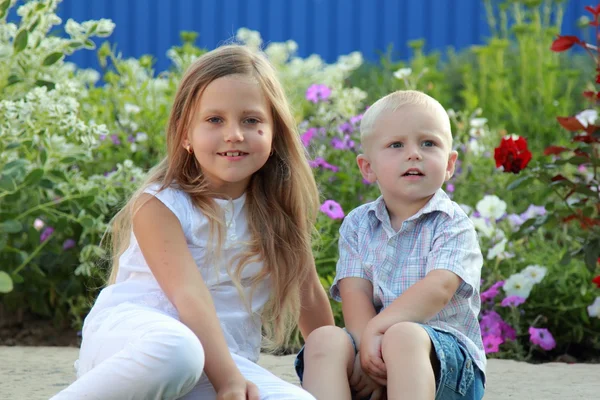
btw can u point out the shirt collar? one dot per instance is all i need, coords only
(440, 202)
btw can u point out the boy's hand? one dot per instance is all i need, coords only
(372, 359)
(363, 387)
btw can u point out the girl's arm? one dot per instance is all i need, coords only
(164, 247)
(316, 310)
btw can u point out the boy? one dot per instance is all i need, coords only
(408, 271)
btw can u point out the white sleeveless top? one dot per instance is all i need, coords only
(136, 284)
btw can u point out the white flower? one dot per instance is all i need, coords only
(478, 122)
(451, 113)
(594, 308)
(403, 73)
(475, 147)
(483, 226)
(38, 224)
(491, 207)
(518, 285)
(498, 250)
(128, 164)
(587, 117)
(131, 108)
(141, 137)
(535, 272)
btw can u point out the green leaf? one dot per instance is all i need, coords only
(3, 241)
(21, 41)
(6, 284)
(87, 222)
(49, 85)
(12, 145)
(34, 177)
(17, 278)
(7, 183)
(46, 183)
(86, 201)
(34, 25)
(14, 167)
(4, 8)
(11, 226)
(591, 252)
(89, 44)
(43, 156)
(518, 182)
(13, 79)
(52, 58)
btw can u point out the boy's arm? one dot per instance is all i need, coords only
(453, 268)
(316, 309)
(420, 302)
(357, 305)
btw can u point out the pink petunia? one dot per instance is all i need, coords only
(512, 301)
(332, 209)
(491, 343)
(542, 337)
(317, 92)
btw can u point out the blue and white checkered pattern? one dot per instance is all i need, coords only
(439, 236)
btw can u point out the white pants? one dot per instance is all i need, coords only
(138, 353)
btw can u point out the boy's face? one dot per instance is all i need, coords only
(408, 153)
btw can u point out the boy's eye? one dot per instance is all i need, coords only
(396, 145)
(428, 143)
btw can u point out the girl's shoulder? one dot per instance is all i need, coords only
(176, 200)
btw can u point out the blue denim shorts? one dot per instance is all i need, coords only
(458, 378)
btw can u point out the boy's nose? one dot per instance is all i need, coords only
(414, 154)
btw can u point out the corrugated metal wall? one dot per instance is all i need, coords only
(326, 27)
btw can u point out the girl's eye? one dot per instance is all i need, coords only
(428, 143)
(214, 120)
(396, 145)
(252, 121)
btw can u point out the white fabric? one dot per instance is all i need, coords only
(136, 284)
(139, 353)
(134, 346)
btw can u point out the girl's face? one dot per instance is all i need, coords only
(231, 133)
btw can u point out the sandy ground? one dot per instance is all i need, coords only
(36, 373)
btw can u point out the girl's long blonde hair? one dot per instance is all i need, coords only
(282, 197)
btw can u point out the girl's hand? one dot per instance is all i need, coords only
(372, 359)
(363, 387)
(238, 389)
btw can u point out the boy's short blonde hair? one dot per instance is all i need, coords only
(394, 101)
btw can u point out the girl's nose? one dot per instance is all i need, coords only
(234, 134)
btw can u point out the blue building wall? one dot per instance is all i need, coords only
(326, 27)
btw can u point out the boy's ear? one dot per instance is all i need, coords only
(451, 164)
(365, 168)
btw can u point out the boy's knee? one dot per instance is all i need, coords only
(326, 340)
(405, 336)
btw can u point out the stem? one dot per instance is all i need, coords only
(49, 203)
(30, 257)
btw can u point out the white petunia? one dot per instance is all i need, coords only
(587, 117)
(491, 206)
(478, 122)
(403, 73)
(497, 250)
(131, 108)
(535, 272)
(484, 227)
(518, 285)
(594, 308)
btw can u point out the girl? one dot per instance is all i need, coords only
(214, 248)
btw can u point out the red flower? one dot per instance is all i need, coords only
(552, 150)
(596, 281)
(562, 43)
(594, 10)
(570, 123)
(512, 154)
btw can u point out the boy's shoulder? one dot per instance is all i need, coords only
(358, 215)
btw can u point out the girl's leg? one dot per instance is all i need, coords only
(328, 362)
(408, 355)
(137, 353)
(271, 387)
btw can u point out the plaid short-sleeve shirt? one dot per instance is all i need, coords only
(439, 236)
